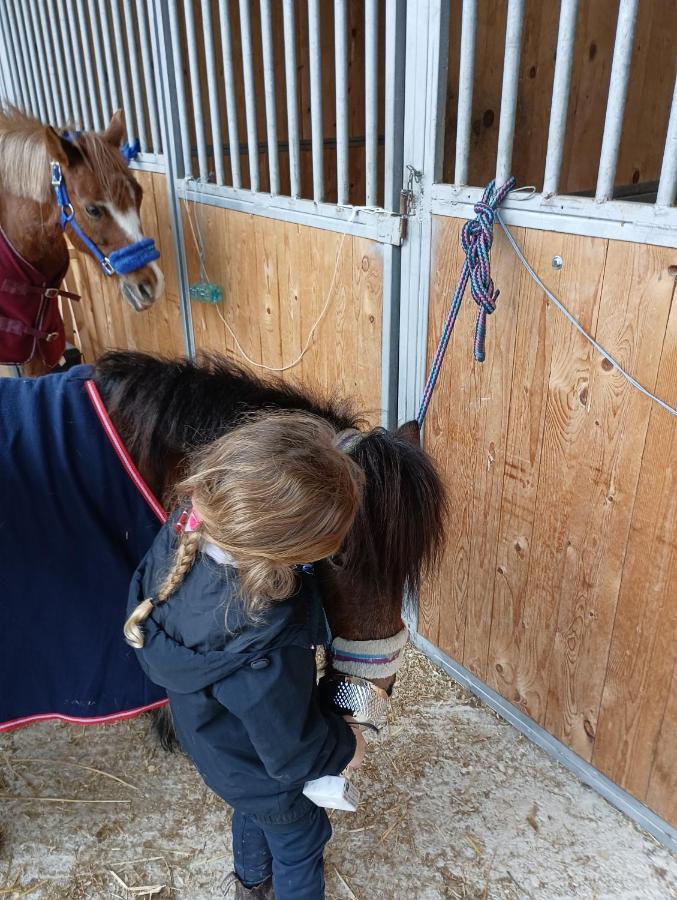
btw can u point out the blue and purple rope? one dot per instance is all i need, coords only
(477, 237)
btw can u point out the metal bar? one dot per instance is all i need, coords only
(164, 22)
(292, 97)
(99, 64)
(667, 185)
(231, 102)
(87, 121)
(36, 41)
(511, 62)
(119, 44)
(135, 72)
(315, 53)
(13, 59)
(194, 69)
(618, 90)
(55, 80)
(74, 113)
(626, 803)
(86, 52)
(561, 85)
(249, 93)
(110, 67)
(341, 67)
(394, 103)
(19, 28)
(269, 88)
(466, 81)
(148, 74)
(173, 39)
(213, 93)
(371, 101)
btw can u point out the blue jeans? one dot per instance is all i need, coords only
(293, 854)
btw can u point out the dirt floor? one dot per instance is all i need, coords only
(455, 804)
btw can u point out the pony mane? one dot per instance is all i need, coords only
(24, 158)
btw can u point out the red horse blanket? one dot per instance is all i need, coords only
(76, 519)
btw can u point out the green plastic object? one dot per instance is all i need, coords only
(206, 292)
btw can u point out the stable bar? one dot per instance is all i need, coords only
(149, 76)
(341, 66)
(74, 112)
(19, 28)
(618, 90)
(292, 97)
(269, 89)
(231, 102)
(213, 93)
(37, 40)
(86, 50)
(315, 53)
(13, 59)
(73, 27)
(371, 101)
(466, 81)
(667, 185)
(511, 63)
(55, 81)
(194, 69)
(119, 44)
(395, 52)
(174, 37)
(110, 67)
(135, 73)
(249, 93)
(566, 37)
(100, 65)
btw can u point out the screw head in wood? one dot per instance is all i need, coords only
(557, 262)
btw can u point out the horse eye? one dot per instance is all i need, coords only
(93, 211)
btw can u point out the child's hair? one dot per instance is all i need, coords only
(274, 492)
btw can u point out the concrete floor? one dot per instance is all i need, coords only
(455, 804)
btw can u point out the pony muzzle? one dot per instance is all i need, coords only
(142, 287)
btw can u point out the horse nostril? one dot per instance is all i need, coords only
(145, 290)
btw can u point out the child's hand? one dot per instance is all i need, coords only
(360, 746)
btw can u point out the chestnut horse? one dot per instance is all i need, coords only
(54, 184)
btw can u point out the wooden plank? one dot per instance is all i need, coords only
(633, 314)
(636, 703)
(662, 791)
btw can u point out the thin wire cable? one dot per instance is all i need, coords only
(199, 246)
(577, 325)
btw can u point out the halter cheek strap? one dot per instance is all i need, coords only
(119, 262)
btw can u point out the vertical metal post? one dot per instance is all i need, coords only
(341, 67)
(292, 97)
(18, 96)
(79, 77)
(566, 37)
(119, 44)
(101, 74)
(55, 80)
(110, 67)
(194, 68)
(213, 93)
(86, 53)
(74, 113)
(148, 75)
(164, 34)
(172, 41)
(133, 54)
(371, 101)
(36, 42)
(231, 102)
(269, 88)
(249, 94)
(316, 125)
(667, 185)
(19, 28)
(466, 81)
(511, 63)
(618, 91)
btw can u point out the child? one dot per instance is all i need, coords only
(231, 616)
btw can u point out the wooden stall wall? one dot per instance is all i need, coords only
(559, 582)
(278, 278)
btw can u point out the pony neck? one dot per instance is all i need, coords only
(32, 228)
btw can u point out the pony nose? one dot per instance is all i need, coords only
(146, 290)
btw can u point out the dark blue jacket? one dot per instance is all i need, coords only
(243, 696)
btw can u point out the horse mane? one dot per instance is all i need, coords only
(24, 158)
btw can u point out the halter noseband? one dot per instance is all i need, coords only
(119, 262)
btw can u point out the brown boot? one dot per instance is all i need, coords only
(263, 891)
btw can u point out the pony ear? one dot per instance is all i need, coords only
(116, 131)
(59, 149)
(410, 432)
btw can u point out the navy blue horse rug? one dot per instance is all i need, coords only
(76, 518)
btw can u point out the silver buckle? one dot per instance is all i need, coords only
(107, 266)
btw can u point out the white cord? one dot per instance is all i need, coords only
(199, 246)
(577, 325)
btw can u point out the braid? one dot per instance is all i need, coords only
(183, 562)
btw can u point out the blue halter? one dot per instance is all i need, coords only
(119, 262)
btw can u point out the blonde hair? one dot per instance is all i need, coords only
(274, 493)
